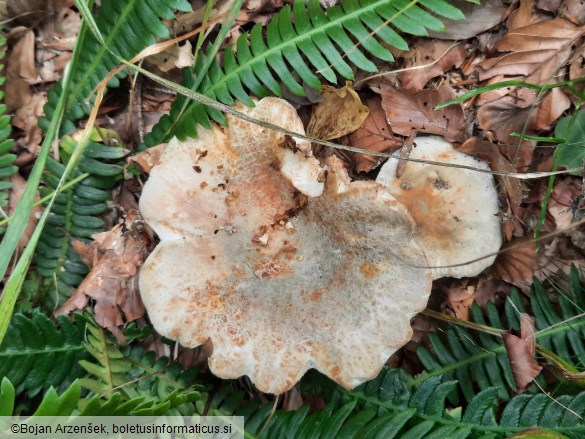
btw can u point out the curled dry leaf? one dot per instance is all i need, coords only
(278, 282)
(521, 351)
(173, 57)
(59, 31)
(340, 112)
(410, 112)
(148, 158)
(460, 295)
(441, 55)
(374, 135)
(114, 258)
(516, 263)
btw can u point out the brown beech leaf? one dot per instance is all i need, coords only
(520, 352)
(490, 153)
(516, 265)
(506, 115)
(339, 113)
(114, 258)
(478, 19)
(443, 56)
(535, 51)
(374, 135)
(550, 109)
(412, 112)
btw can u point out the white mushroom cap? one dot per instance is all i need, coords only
(277, 282)
(455, 209)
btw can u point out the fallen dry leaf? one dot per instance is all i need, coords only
(508, 115)
(548, 5)
(560, 204)
(114, 258)
(513, 109)
(573, 10)
(535, 51)
(148, 158)
(20, 66)
(478, 19)
(517, 262)
(340, 112)
(443, 56)
(577, 66)
(490, 153)
(374, 135)
(174, 57)
(460, 295)
(526, 14)
(26, 119)
(520, 352)
(412, 112)
(18, 185)
(550, 109)
(59, 31)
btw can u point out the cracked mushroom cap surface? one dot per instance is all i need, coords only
(279, 278)
(455, 210)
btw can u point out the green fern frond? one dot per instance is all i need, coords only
(38, 353)
(478, 360)
(331, 42)
(52, 404)
(7, 168)
(75, 215)
(133, 373)
(70, 402)
(128, 26)
(388, 407)
(7, 397)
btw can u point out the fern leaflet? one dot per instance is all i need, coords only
(75, 215)
(479, 361)
(38, 353)
(7, 168)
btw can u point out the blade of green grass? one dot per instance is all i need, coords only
(505, 84)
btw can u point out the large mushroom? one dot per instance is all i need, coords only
(455, 209)
(277, 276)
